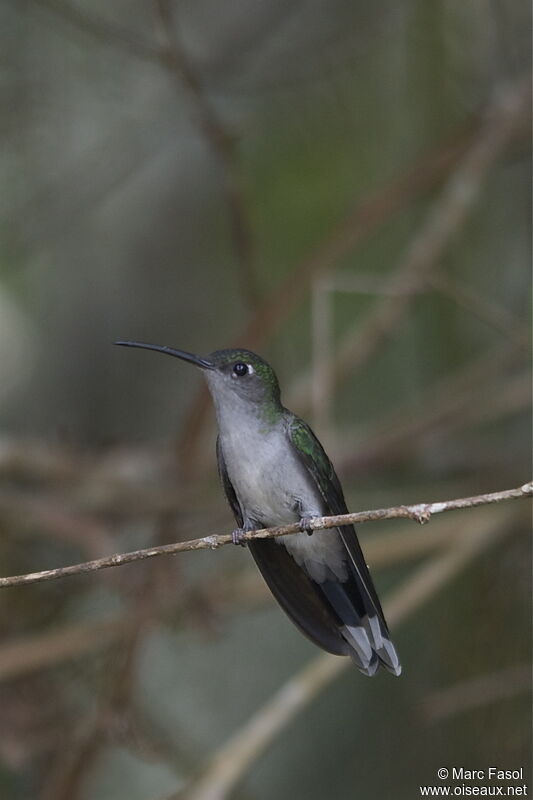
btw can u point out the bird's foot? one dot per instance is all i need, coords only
(237, 537)
(305, 526)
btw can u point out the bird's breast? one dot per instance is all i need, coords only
(273, 487)
(268, 479)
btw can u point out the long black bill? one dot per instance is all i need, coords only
(203, 363)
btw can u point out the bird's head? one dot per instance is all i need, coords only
(232, 375)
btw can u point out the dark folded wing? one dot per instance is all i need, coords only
(312, 454)
(354, 600)
(298, 596)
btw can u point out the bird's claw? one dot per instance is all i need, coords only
(237, 537)
(305, 526)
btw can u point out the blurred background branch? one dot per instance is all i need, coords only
(485, 689)
(223, 145)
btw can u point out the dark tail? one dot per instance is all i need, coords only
(341, 617)
(362, 625)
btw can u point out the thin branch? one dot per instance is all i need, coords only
(228, 765)
(420, 512)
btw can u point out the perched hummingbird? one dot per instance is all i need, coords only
(274, 471)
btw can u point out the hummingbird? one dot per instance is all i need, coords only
(274, 472)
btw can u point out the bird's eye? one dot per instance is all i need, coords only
(240, 369)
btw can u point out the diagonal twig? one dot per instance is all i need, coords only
(222, 144)
(70, 767)
(470, 152)
(171, 57)
(504, 120)
(443, 406)
(365, 218)
(485, 308)
(31, 653)
(102, 28)
(420, 512)
(477, 692)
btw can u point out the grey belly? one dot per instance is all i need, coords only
(277, 491)
(274, 494)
